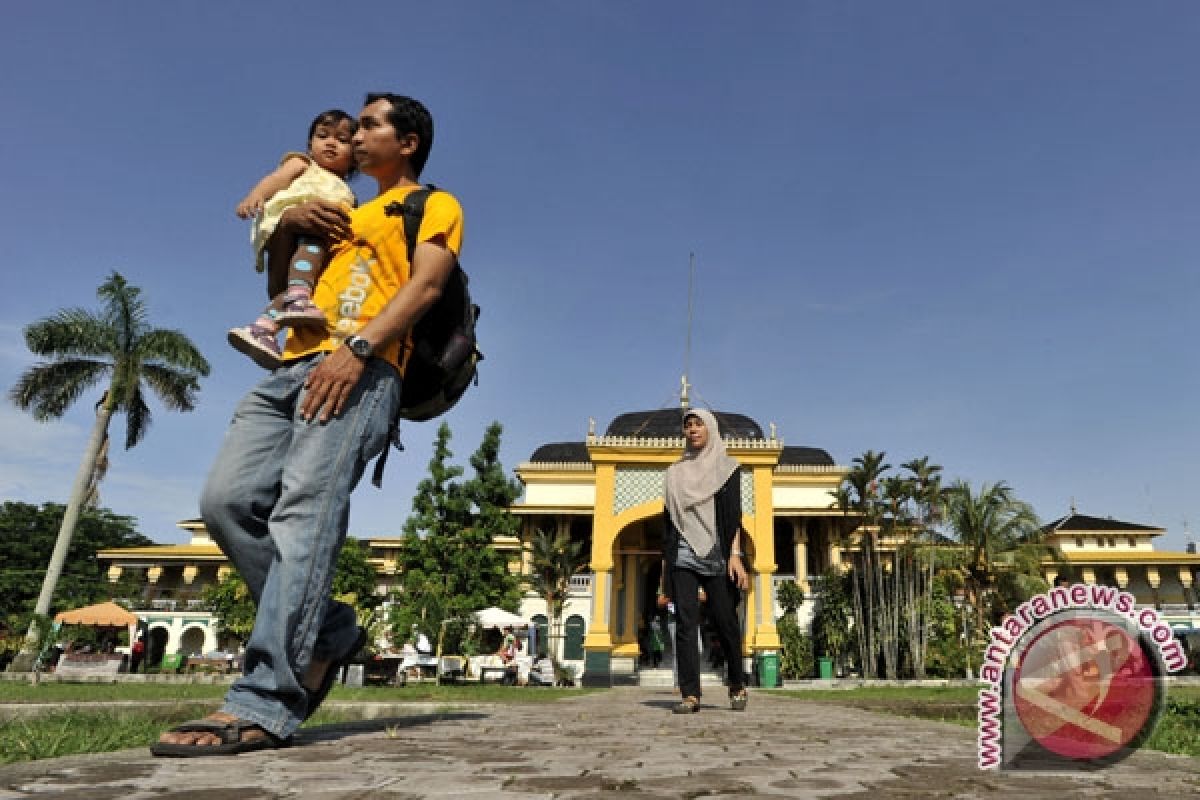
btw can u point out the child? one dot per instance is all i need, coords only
(320, 175)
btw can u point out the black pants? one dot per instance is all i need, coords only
(723, 615)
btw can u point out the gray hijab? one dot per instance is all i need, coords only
(691, 483)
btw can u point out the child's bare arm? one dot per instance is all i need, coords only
(281, 178)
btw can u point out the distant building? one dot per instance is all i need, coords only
(1113, 553)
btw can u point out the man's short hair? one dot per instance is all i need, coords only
(409, 116)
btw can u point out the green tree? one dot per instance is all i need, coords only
(996, 532)
(553, 560)
(490, 491)
(862, 502)
(796, 650)
(916, 561)
(83, 348)
(355, 580)
(27, 532)
(449, 565)
(231, 603)
(831, 616)
(354, 583)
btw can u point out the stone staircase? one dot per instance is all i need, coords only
(665, 678)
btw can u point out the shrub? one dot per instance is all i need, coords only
(796, 654)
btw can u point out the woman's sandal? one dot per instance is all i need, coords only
(229, 732)
(688, 705)
(738, 700)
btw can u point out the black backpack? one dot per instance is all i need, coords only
(444, 358)
(445, 355)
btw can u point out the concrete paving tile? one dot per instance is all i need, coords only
(620, 743)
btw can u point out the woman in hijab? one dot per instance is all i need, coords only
(702, 549)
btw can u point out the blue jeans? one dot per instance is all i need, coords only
(277, 502)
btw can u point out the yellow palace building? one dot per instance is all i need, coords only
(607, 493)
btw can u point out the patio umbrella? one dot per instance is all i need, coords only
(101, 615)
(493, 617)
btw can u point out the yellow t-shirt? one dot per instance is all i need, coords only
(366, 271)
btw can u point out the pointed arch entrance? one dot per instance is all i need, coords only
(637, 568)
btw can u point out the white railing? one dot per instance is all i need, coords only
(777, 579)
(677, 442)
(556, 466)
(162, 604)
(581, 584)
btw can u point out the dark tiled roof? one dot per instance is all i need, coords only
(1082, 522)
(561, 453)
(577, 453)
(669, 422)
(804, 456)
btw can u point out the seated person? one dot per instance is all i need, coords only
(408, 660)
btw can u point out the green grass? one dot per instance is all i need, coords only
(14, 692)
(73, 731)
(1178, 729)
(63, 733)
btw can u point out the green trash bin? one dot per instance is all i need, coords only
(172, 662)
(768, 669)
(825, 668)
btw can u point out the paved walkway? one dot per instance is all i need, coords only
(622, 743)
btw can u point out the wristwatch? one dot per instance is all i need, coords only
(359, 346)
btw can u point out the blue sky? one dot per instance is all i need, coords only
(966, 230)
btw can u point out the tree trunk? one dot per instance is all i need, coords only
(74, 505)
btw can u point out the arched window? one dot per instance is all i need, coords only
(543, 634)
(574, 630)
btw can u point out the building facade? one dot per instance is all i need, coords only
(605, 492)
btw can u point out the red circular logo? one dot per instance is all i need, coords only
(1084, 688)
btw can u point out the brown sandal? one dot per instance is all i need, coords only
(738, 700)
(689, 705)
(228, 732)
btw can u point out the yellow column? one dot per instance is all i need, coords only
(762, 530)
(604, 533)
(835, 549)
(189, 573)
(114, 574)
(1155, 581)
(800, 542)
(628, 580)
(526, 550)
(153, 574)
(1152, 577)
(1122, 576)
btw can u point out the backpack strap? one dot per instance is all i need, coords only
(413, 211)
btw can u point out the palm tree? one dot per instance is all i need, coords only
(554, 559)
(992, 527)
(82, 348)
(924, 483)
(859, 497)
